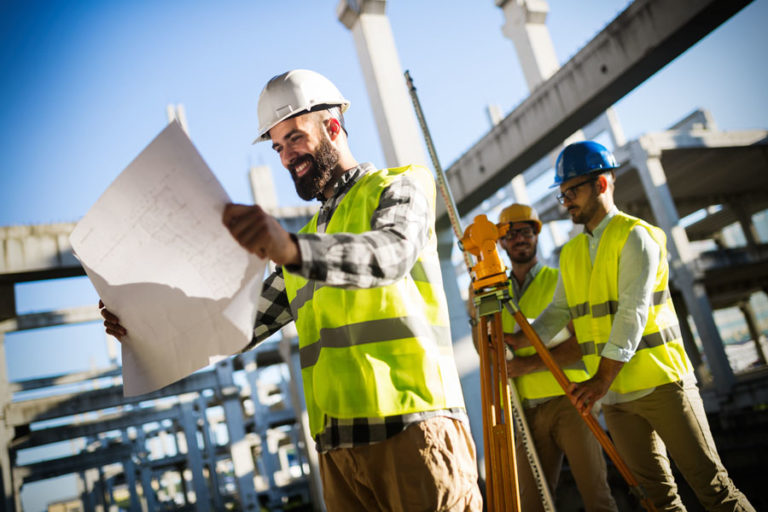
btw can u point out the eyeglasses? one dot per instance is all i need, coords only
(511, 234)
(570, 192)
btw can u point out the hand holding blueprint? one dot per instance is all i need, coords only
(156, 251)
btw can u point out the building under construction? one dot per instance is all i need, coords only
(233, 436)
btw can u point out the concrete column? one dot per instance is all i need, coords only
(290, 354)
(267, 461)
(467, 361)
(145, 472)
(209, 453)
(688, 340)
(240, 447)
(7, 504)
(645, 157)
(746, 223)
(194, 457)
(263, 187)
(392, 107)
(526, 27)
(129, 468)
(754, 332)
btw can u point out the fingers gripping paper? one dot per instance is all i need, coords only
(156, 251)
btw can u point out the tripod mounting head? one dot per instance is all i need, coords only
(480, 239)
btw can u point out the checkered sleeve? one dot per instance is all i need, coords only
(400, 228)
(273, 311)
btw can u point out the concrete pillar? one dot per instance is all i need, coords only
(145, 471)
(290, 354)
(392, 108)
(688, 340)
(746, 223)
(129, 468)
(240, 447)
(525, 25)
(754, 332)
(7, 504)
(267, 461)
(194, 457)
(467, 361)
(646, 158)
(263, 187)
(209, 453)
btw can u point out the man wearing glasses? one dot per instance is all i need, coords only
(556, 428)
(613, 287)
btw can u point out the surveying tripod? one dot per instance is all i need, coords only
(489, 282)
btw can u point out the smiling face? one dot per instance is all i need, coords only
(520, 242)
(307, 152)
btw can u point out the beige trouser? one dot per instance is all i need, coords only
(672, 419)
(557, 428)
(428, 467)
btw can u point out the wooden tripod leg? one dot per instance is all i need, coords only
(590, 420)
(509, 459)
(487, 405)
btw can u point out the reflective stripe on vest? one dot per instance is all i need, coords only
(540, 383)
(592, 295)
(375, 352)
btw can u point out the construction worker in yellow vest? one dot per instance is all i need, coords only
(613, 285)
(362, 282)
(555, 426)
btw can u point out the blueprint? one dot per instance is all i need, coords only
(155, 249)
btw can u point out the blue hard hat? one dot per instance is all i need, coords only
(582, 158)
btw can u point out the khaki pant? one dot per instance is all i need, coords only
(672, 419)
(557, 429)
(428, 467)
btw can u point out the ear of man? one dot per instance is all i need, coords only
(333, 126)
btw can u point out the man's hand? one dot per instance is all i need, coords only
(112, 323)
(521, 365)
(516, 340)
(261, 234)
(583, 395)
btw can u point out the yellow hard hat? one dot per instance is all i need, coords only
(520, 213)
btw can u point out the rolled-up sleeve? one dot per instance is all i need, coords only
(638, 264)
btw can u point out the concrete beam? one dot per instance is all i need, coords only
(132, 418)
(641, 40)
(67, 465)
(69, 404)
(51, 319)
(29, 253)
(65, 378)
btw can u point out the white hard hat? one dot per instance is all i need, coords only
(292, 93)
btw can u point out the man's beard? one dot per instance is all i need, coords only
(320, 172)
(523, 258)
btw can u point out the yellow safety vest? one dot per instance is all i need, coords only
(538, 295)
(592, 293)
(375, 352)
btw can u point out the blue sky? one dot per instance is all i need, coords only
(85, 84)
(85, 87)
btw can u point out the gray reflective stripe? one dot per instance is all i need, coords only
(303, 295)
(579, 310)
(648, 341)
(659, 338)
(606, 308)
(587, 348)
(660, 297)
(373, 331)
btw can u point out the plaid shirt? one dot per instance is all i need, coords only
(400, 228)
